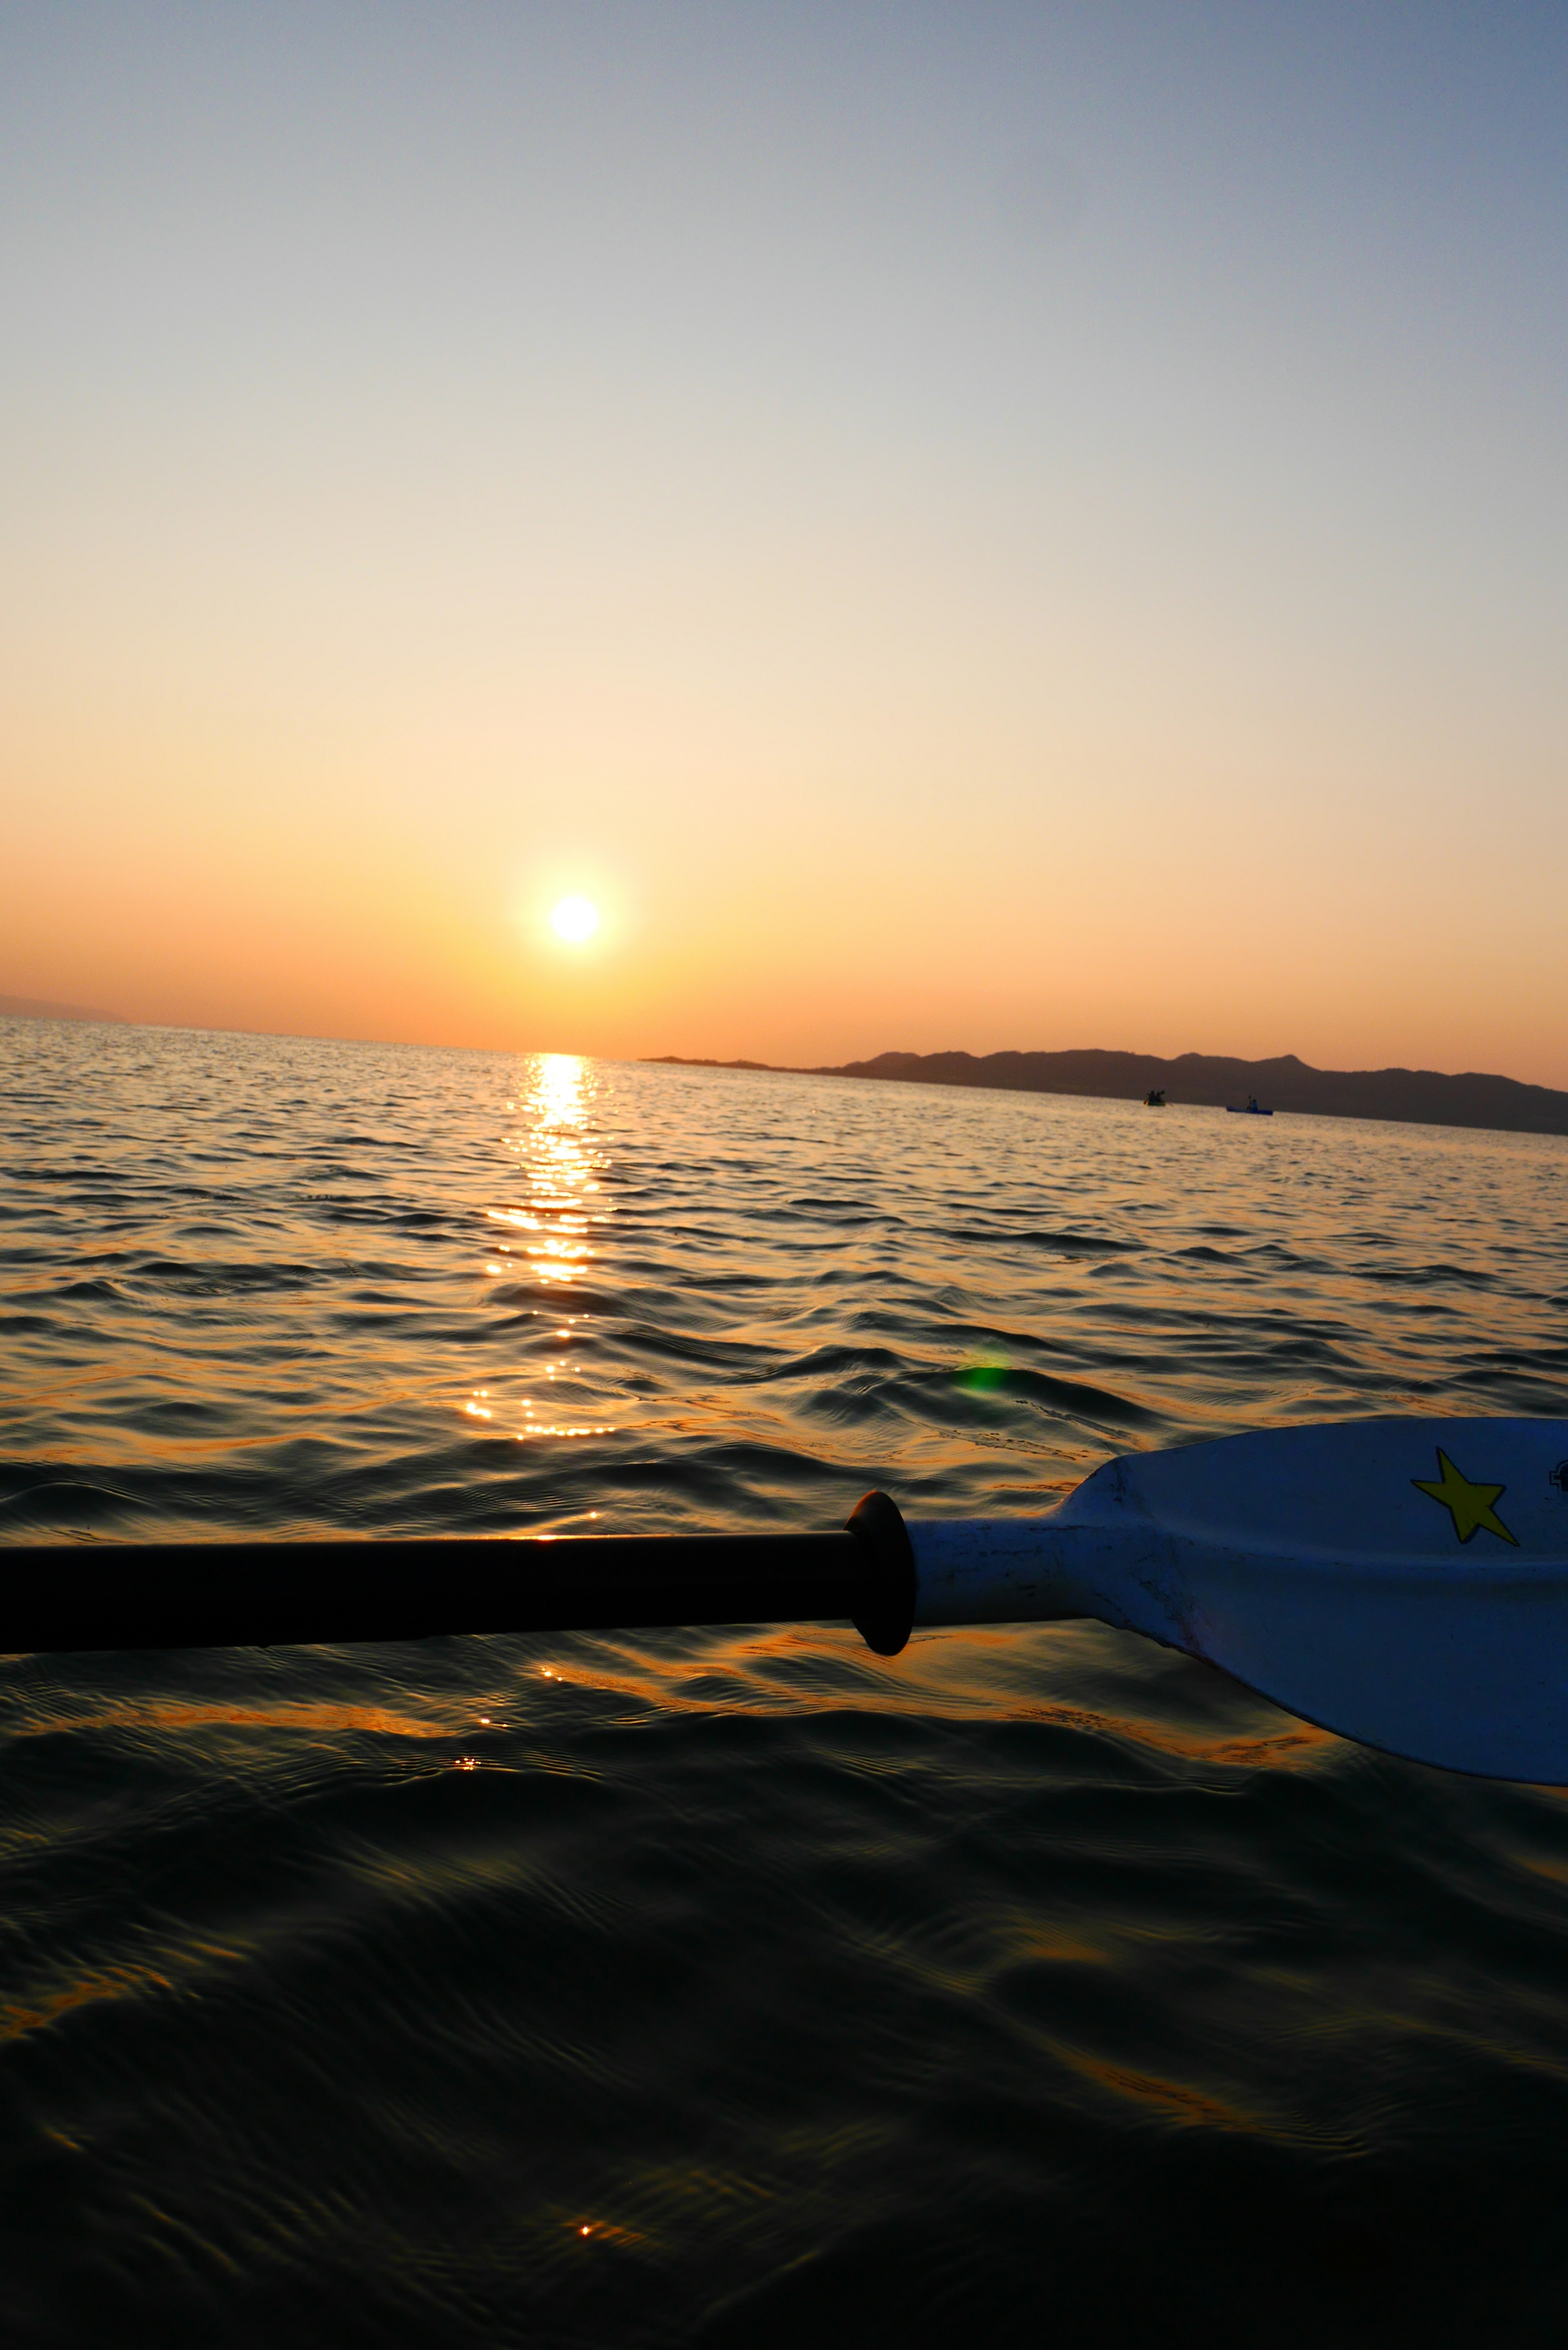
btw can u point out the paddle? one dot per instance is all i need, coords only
(1404, 1582)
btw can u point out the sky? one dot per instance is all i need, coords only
(972, 526)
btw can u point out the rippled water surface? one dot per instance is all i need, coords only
(735, 1986)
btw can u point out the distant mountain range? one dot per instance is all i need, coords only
(1417, 1096)
(32, 1007)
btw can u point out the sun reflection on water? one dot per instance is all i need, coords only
(554, 1215)
(560, 1166)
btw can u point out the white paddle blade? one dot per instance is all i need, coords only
(1404, 1582)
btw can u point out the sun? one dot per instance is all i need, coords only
(574, 920)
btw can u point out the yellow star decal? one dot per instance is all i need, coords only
(1471, 1505)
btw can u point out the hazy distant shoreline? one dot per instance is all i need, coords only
(1201, 1080)
(1413, 1097)
(35, 1007)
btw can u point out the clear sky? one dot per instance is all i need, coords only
(953, 525)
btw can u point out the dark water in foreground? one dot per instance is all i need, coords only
(736, 1987)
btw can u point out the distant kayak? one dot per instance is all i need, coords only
(1248, 1108)
(1155, 1100)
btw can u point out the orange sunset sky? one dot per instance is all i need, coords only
(984, 526)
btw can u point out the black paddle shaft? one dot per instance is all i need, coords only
(78, 1596)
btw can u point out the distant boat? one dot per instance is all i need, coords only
(1154, 1098)
(1248, 1108)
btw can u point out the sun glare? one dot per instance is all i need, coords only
(576, 920)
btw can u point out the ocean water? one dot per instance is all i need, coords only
(735, 1986)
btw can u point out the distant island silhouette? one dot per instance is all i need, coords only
(1209, 1080)
(34, 1007)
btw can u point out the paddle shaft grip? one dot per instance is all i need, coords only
(67, 1597)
